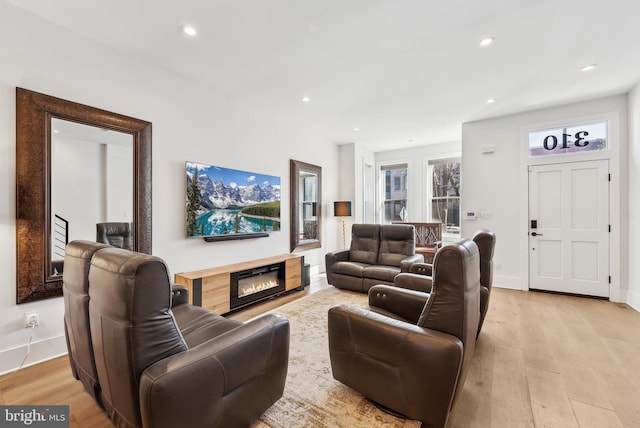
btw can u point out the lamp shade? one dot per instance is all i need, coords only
(342, 208)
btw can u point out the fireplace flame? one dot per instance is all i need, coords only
(246, 290)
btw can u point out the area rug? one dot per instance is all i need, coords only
(312, 398)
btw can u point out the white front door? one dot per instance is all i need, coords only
(569, 227)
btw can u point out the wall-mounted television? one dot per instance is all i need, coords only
(224, 203)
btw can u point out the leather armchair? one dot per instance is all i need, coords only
(159, 365)
(410, 351)
(116, 234)
(419, 275)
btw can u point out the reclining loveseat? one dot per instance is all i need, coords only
(378, 253)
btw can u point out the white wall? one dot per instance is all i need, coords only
(633, 292)
(417, 159)
(362, 156)
(351, 186)
(346, 192)
(190, 122)
(496, 184)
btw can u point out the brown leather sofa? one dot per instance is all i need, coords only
(157, 361)
(410, 351)
(377, 254)
(419, 275)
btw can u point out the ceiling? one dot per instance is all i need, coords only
(404, 72)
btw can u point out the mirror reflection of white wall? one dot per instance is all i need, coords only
(91, 179)
(308, 191)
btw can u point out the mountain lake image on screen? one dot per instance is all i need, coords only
(222, 201)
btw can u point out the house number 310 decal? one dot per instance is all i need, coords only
(550, 142)
(569, 139)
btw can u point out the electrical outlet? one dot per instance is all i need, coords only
(31, 319)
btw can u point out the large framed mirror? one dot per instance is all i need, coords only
(306, 205)
(76, 167)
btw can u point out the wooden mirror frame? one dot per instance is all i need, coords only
(295, 167)
(33, 184)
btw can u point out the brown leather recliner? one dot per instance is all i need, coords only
(75, 290)
(419, 275)
(116, 234)
(410, 352)
(159, 366)
(486, 242)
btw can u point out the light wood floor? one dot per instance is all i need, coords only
(542, 360)
(548, 360)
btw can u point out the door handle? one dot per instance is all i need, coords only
(536, 234)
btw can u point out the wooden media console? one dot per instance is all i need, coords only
(212, 288)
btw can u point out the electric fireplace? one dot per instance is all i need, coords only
(249, 286)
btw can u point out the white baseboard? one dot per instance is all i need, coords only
(510, 282)
(633, 299)
(40, 351)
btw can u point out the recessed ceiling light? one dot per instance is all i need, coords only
(306, 99)
(589, 67)
(486, 41)
(355, 128)
(55, 131)
(491, 100)
(189, 30)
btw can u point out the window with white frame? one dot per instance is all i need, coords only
(394, 186)
(445, 193)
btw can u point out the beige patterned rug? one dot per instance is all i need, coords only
(312, 398)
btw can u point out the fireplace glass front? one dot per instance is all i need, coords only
(251, 285)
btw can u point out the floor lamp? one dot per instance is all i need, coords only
(342, 209)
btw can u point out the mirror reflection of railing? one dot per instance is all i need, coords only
(60, 236)
(60, 240)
